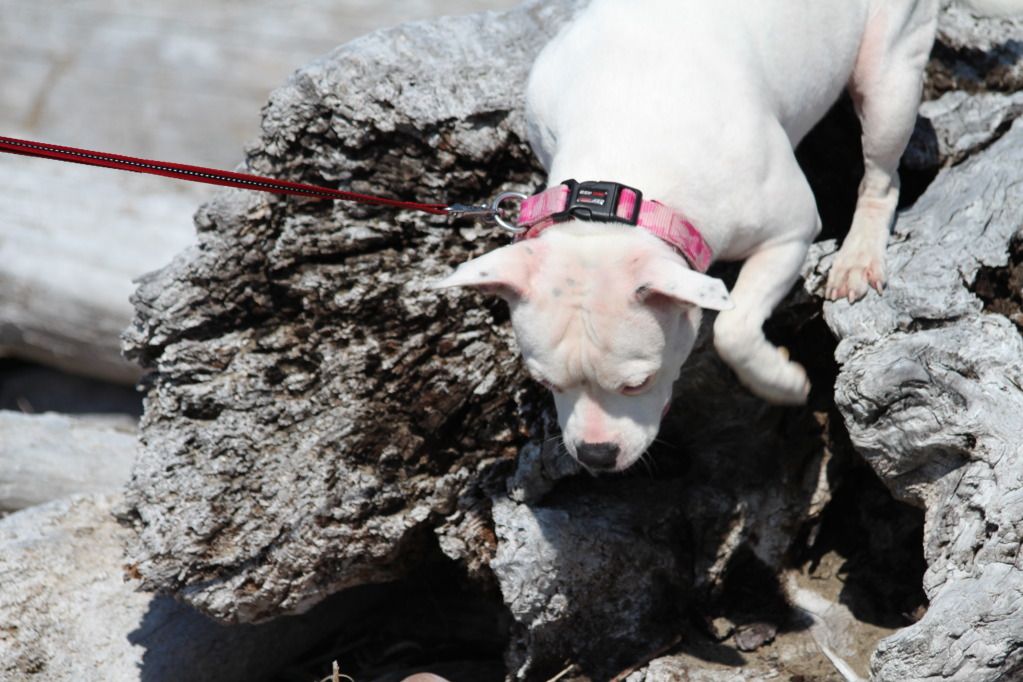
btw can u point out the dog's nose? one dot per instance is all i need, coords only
(597, 455)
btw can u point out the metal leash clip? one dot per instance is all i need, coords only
(493, 213)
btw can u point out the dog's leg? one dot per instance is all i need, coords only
(885, 87)
(766, 277)
(765, 369)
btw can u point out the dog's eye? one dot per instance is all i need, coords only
(636, 389)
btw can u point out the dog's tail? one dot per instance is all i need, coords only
(993, 8)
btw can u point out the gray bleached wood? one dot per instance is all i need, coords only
(67, 261)
(958, 124)
(50, 456)
(67, 612)
(930, 388)
(976, 54)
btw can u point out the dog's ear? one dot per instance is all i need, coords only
(676, 281)
(504, 271)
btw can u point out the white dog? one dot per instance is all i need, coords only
(698, 106)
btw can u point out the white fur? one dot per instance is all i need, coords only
(699, 105)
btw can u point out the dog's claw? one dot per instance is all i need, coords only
(853, 274)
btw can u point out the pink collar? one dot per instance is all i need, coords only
(613, 202)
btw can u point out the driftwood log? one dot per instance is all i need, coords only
(66, 273)
(50, 456)
(931, 389)
(67, 612)
(316, 411)
(318, 418)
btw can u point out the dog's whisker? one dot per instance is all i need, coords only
(661, 441)
(646, 463)
(654, 463)
(643, 457)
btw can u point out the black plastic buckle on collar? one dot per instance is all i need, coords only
(597, 202)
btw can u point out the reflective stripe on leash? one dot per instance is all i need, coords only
(213, 176)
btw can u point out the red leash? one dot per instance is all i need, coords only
(213, 176)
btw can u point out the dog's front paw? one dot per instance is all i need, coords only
(857, 267)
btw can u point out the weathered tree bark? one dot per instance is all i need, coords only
(318, 418)
(66, 276)
(316, 410)
(975, 54)
(47, 457)
(958, 124)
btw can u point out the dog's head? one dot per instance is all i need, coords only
(605, 316)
